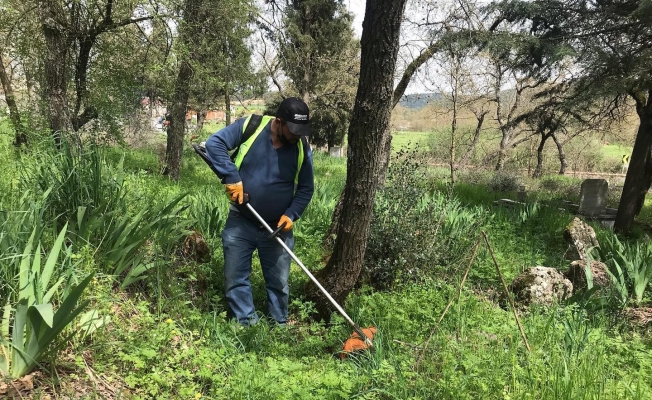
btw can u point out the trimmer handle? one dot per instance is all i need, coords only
(273, 234)
(277, 232)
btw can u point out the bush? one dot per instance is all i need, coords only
(502, 182)
(415, 229)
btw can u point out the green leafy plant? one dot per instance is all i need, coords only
(210, 210)
(630, 265)
(35, 322)
(122, 247)
(78, 179)
(415, 229)
(502, 182)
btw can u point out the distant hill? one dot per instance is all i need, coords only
(419, 100)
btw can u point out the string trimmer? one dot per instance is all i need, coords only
(360, 340)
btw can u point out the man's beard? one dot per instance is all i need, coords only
(283, 139)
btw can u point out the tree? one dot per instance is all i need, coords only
(610, 44)
(71, 30)
(459, 86)
(14, 114)
(8, 20)
(367, 131)
(222, 63)
(319, 55)
(212, 60)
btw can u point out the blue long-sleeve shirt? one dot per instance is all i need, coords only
(267, 174)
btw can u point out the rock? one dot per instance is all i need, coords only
(540, 285)
(195, 246)
(577, 275)
(581, 237)
(641, 317)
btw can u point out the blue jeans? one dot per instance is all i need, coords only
(240, 238)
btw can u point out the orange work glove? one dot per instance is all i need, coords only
(235, 192)
(288, 223)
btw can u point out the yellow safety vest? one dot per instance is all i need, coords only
(244, 147)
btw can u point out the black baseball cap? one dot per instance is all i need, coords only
(294, 112)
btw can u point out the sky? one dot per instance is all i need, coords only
(357, 8)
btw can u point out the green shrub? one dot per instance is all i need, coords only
(503, 182)
(414, 229)
(78, 180)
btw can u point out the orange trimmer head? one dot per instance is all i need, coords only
(357, 343)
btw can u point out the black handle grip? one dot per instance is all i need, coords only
(277, 232)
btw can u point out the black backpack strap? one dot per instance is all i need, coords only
(252, 125)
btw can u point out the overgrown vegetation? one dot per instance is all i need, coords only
(131, 314)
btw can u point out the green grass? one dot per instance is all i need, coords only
(403, 140)
(168, 336)
(211, 127)
(616, 150)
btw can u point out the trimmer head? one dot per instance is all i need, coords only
(357, 344)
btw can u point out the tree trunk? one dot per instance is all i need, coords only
(14, 115)
(176, 130)
(453, 144)
(56, 57)
(78, 120)
(562, 155)
(227, 108)
(201, 118)
(502, 151)
(538, 171)
(177, 126)
(474, 142)
(639, 173)
(367, 131)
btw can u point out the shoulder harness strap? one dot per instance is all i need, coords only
(249, 128)
(252, 127)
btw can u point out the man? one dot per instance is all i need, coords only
(274, 167)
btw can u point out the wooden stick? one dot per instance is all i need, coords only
(511, 302)
(459, 292)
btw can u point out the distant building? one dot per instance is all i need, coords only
(213, 115)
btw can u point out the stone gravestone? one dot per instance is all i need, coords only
(336, 151)
(521, 194)
(593, 197)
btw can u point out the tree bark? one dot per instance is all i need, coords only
(14, 115)
(563, 164)
(56, 54)
(201, 118)
(176, 130)
(538, 171)
(639, 173)
(367, 132)
(177, 127)
(474, 142)
(502, 151)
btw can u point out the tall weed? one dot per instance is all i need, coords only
(78, 179)
(210, 210)
(17, 228)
